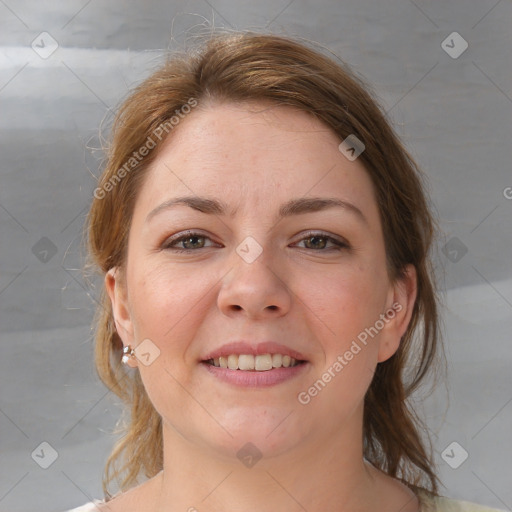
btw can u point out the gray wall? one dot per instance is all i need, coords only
(453, 112)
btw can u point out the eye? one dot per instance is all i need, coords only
(318, 241)
(190, 241)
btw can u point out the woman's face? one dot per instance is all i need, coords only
(266, 274)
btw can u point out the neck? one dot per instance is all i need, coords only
(328, 474)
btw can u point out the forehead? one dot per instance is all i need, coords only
(249, 131)
(253, 154)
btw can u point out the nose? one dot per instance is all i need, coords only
(257, 290)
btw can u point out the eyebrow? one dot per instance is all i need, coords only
(297, 206)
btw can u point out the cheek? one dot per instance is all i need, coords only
(345, 301)
(165, 303)
(347, 306)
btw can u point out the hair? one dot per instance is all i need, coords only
(249, 66)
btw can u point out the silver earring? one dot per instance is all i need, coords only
(128, 353)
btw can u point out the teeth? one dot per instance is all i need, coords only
(232, 362)
(249, 362)
(277, 360)
(246, 362)
(263, 363)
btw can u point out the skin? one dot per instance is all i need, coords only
(299, 292)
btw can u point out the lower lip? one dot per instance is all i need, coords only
(255, 379)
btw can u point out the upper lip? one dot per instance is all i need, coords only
(256, 349)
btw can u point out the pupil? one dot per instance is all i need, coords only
(318, 238)
(191, 238)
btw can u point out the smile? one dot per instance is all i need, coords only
(249, 362)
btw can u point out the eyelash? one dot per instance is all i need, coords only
(339, 245)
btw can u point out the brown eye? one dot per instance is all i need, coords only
(186, 243)
(319, 241)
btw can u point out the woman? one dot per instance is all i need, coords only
(264, 238)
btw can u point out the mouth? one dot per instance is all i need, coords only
(250, 371)
(254, 363)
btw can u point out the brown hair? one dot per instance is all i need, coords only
(243, 66)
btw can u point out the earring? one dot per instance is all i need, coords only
(128, 353)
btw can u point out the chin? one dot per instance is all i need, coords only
(273, 431)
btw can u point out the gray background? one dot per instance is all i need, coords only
(454, 115)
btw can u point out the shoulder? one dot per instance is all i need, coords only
(432, 503)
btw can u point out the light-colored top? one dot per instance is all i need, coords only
(431, 503)
(428, 503)
(88, 507)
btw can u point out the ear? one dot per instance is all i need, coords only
(400, 304)
(116, 289)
